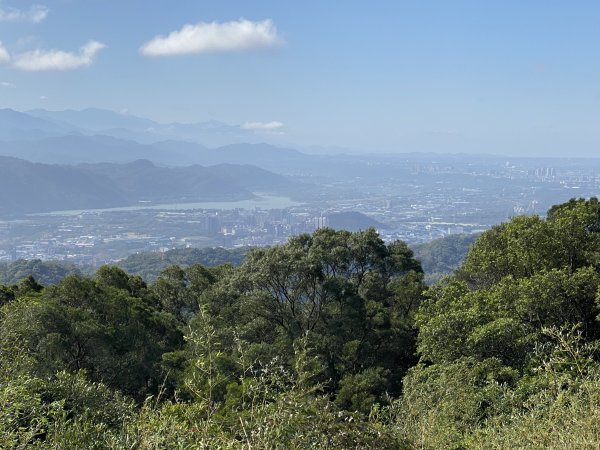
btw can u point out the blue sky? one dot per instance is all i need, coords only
(509, 77)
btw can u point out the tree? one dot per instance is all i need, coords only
(484, 331)
(96, 326)
(351, 296)
(178, 290)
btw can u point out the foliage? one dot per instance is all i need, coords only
(329, 341)
(44, 272)
(149, 265)
(492, 340)
(354, 295)
(97, 325)
(562, 408)
(441, 257)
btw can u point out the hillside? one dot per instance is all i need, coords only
(142, 180)
(44, 272)
(331, 340)
(438, 258)
(150, 265)
(27, 187)
(443, 256)
(77, 149)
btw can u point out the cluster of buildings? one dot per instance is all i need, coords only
(429, 201)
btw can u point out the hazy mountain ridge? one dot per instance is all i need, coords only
(191, 183)
(18, 125)
(94, 135)
(32, 187)
(76, 149)
(27, 187)
(93, 121)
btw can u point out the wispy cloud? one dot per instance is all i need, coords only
(43, 60)
(4, 56)
(263, 126)
(215, 37)
(7, 84)
(35, 14)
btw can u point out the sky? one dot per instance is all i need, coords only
(496, 76)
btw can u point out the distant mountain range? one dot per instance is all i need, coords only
(54, 160)
(27, 187)
(16, 125)
(95, 135)
(40, 123)
(77, 149)
(98, 136)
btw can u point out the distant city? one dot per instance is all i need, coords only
(94, 186)
(430, 197)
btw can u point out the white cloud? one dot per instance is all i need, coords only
(215, 37)
(40, 60)
(263, 126)
(35, 14)
(7, 84)
(43, 97)
(4, 56)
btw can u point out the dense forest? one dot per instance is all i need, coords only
(333, 340)
(148, 265)
(439, 258)
(44, 272)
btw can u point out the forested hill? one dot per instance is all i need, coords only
(44, 272)
(332, 340)
(26, 187)
(441, 257)
(148, 265)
